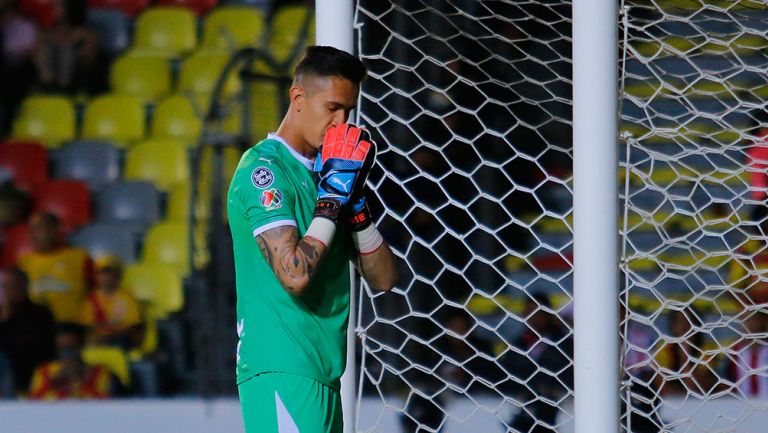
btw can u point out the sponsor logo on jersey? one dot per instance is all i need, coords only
(272, 199)
(262, 177)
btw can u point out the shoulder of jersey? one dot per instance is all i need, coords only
(264, 164)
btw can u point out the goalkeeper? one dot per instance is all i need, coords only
(298, 216)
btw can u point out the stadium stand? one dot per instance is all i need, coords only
(115, 167)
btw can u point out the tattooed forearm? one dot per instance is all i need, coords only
(294, 261)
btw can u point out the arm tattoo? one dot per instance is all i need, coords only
(294, 261)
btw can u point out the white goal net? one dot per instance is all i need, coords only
(471, 103)
(693, 181)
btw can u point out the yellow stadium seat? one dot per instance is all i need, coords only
(118, 118)
(168, 31)
(265, 109)
(200, 73)
(162, 161)
(156, 284)
(285, 32)
(178, 205)
(113, 358)
(233, 27)
(176, 117)
(145, 76)
(168, 243)
(49, 119)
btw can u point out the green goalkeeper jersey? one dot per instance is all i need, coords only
(274, 186)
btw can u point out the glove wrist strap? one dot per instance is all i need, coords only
(328, 209)
(360, 220)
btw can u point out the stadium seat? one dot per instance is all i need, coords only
(200, 73)
(145, 76)
(16, 243)
(156, 284)
(105, 239)
(168, 31)
(97, 163)
(200, 7)
(67, 199)
(233, 27)
(162, 161)
(113, 358)
(27, 162)
(265, 108)
(136, 202)
(48, 119)
(128, 7)
(113, 28)
(286, 32)
(42, 11)
(118, 118)
(175, 117)
(168, 243)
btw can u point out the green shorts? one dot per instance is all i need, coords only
(289, 403)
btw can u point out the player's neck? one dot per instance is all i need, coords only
(295, 139)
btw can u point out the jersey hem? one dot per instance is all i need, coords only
(335, 385)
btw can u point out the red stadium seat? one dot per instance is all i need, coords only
(27, 162)
(17, 242)
(200, 7)
(67, 199)
(42, 11)
(128, 7)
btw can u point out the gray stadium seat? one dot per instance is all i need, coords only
(135, 202)
(113, 28)
(104, 239)
(96, 163)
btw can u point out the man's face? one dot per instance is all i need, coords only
(323, 103)
(44, 234)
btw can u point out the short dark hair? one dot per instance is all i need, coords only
(325, 61)
(50, 218)
(73, 329)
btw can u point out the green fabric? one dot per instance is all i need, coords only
(280, 332)
(312, 407)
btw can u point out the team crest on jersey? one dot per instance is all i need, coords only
(272, 199)
(262, 177)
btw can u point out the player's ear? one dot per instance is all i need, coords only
(297, 97)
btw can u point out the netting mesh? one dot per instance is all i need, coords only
(471, 103)
(693, 233)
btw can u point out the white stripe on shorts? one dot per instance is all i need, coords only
(285, 423)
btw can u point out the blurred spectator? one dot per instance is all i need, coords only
(58, 274)
(749, 270)
(746, 361)
(111, 312)
(684, 365)
(26, 330)
(14, 205)
(540, 362)
(67, 54)
(68, 376)
(18, 37)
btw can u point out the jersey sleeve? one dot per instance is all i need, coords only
(266, 198)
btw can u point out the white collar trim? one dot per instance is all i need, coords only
(309, 163)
